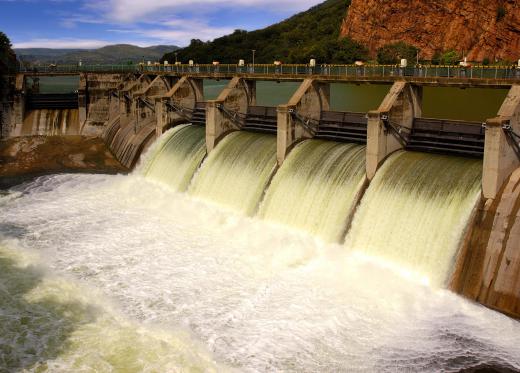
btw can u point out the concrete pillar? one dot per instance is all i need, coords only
(18, 113)
(309, 100)
(500, 158)
(82, 99)
(236, 97)
(251, 88)
(400, 106)
(185, 93)
(127, 106)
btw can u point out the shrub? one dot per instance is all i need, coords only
(501, 13)
(391, 53)
(450, 58)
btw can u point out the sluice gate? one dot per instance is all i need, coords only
(261, 119)
(198, 115)
(343, 126)
(36, 101)
(447, 136)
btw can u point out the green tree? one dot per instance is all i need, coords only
(7, 56)
(450, 58)
(391, 53)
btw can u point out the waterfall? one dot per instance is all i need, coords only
(317, 188)
(177, 156)
(51, 122)
(416, 210)
(236, 173)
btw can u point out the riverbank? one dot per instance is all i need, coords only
(23, 158)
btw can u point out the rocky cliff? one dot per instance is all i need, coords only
(480, 28)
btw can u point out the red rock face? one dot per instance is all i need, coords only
(474, 27)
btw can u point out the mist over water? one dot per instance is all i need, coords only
(117, 272)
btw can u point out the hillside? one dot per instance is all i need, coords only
(481, 29)
(118, 53)
(313, 33)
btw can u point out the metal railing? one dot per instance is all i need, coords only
(364, 71)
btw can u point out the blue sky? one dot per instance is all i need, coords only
(95, 23)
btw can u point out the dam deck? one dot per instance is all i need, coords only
(477, 76)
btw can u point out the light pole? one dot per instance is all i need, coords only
(253, 50)
(176, 58)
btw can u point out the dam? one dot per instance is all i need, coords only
(287, 234)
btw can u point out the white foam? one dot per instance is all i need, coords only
(257, 296)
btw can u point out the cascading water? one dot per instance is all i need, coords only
(133, 277)
(177, 157)
(51, 122)
(416, 210)
(237, 171)
(316, 188)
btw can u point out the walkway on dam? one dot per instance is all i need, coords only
(427, 74)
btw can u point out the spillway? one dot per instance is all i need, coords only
(316, 188)
(237, 172)
(177, 157)
(51, 122)
(415, 212)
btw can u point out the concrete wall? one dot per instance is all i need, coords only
(126, 99)
(309, 100)
(400, 106)
(97, 98)
(236, 98)
(489, 267)
(18, 110)
(500, 158)
(185, 93)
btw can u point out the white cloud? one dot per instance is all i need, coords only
(177, 31)
(134, 10)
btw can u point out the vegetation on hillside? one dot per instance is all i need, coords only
(116, 54)
(7, 56)
(310, 34)
(391, 53)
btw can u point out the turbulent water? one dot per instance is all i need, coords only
(177, 156)
(316, 188)
(415, 212)
(132, 276)
(237, 172)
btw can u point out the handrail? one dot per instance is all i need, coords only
(333, 70)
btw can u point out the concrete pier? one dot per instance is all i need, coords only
(501, 155)
(389, 125)
(307, 103)
(226, 113)
(184, 96)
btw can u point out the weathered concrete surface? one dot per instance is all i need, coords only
(236, 99)
(132, 128)
(490, 267)
(143, 104)
(98, 88)
(500, 158)
(126, 98)
(24, 157)
(401, 105)
(18, 111)
(185, 94)
(309, 100)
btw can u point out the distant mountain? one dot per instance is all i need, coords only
(118, 53)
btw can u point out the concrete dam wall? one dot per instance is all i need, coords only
(437, 198)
